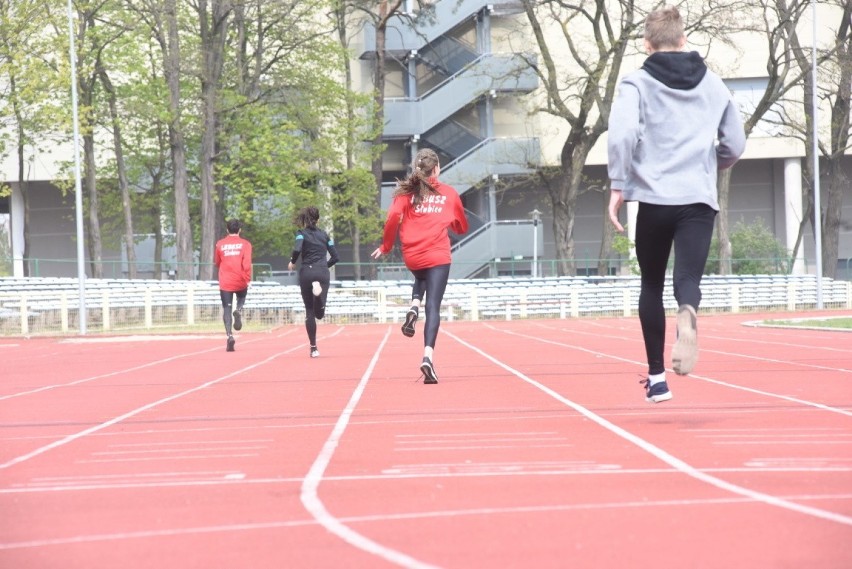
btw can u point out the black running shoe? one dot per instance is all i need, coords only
(429, 375)
(231, 343)
(314, 352)
(656, 393)
(410, 319)
(238, 320)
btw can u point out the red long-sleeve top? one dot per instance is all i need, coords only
(233, 257)
(423, 228)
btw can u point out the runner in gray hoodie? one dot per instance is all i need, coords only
(673, 125)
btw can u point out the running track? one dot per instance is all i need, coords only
(536, 449)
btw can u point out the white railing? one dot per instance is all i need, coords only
(51, 306)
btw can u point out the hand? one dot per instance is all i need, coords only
(377, 253)
(615, 201)
(291, 266)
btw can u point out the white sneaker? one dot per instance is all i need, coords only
(317, 288)
(314, 353)
(685, 350)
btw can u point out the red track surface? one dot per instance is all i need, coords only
(536, 449)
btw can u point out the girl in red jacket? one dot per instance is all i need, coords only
(423, 209)
(233, 257)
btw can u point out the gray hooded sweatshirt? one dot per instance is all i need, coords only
(673, 125)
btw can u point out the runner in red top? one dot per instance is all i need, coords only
(233, 257)
(423, 210)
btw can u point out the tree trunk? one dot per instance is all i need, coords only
(213, 29)
(90, 173)
(22, 183)
(840, 122)
(171, 67)
(379, 98)
(723, 233)
(157, 190)
(349, 149)
(607, 237)
(832, 221)
(123, 184)
(564, 199)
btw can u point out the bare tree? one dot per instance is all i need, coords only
(777, 22)
(582, 101)
(835, 64)
(162, 18)
(597, 35)
(213, 18)
(838, 79)
(121, 168)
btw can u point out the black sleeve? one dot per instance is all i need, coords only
(297, 247)
(332, 251)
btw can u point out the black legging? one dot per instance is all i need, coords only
(690, 228)
(314, 305)
(434, 282)
(227, 297)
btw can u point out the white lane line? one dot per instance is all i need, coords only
(734, 354)
(191, 443)
(169, 458)
(114, 373)
(477, 447)
(71, 486)
(656, 451)
(814, 404)
(749, 337)
(115, 420)
(310, 485)
(383, 518)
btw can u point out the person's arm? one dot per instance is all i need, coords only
(247, 264)
(391, 225)
(616, 199)
(623, 134)
(297, 250)
(217, 255)
(332, 252)
(460, 224)
(731, 135)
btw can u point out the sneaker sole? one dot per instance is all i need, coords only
(659, 398)
(316, 288)
(230, 347)
(238, 321)
(685, 350)
(408, 326)
(429, 376)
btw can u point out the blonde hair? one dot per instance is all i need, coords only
(664, 28)
(417, 183)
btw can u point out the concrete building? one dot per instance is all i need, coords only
(459, 84)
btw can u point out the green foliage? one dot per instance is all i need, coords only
(356, 207)
(622, 245)
(754, 251)
(5, 252)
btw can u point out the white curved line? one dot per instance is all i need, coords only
(310, 498)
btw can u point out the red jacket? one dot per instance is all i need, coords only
(423, 228)
(233, 257)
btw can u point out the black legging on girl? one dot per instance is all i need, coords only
(314, 305)
(432, 281)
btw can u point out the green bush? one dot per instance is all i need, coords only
(754, 251)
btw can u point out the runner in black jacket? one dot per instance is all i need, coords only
(318, 254)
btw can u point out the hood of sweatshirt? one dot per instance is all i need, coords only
(676, 69)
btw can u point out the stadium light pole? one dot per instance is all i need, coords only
(81, 250)
(817, 205)
(536, 217)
